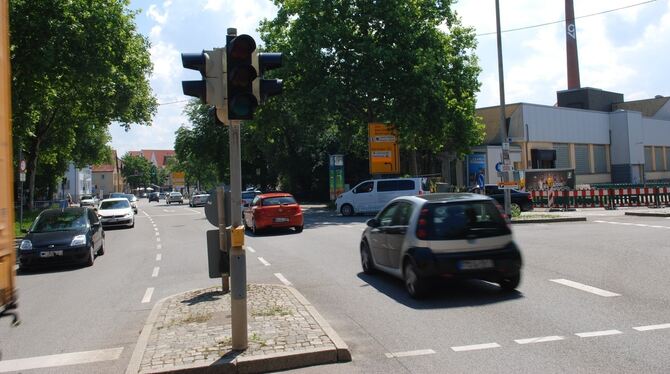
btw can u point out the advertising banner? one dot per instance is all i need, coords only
(336, 171)
(546, 179)
(383, 149)
(476, 169)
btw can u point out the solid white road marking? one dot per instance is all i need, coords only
(262, 260)
(147, 295)
(155, 273)
(653, 327)
(283, 279)
(598, 333)
(542, 339)
(159, 246)
(419, 352)
(475, 347)
(62, 359)
(159, 257)
(585, 288)
(250, 249)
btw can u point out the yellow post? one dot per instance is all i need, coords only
(7, 251)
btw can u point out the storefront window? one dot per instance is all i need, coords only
(658, 155)
(600, 158)
(562, 155)
(647, 159)
(582, 159)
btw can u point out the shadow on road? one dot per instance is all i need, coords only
(205, 297)
(442, 294)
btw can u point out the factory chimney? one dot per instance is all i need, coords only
(571, 46)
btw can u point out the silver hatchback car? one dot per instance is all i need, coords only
(453, 236)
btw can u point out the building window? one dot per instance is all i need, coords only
(667, 157)
(658, 156)
(102, 176)
(582, 159)
(562, 155)
(600, 158)
(647, 159)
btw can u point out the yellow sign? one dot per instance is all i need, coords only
(383, 149)
(178, 178)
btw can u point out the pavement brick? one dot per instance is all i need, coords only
(194, 328)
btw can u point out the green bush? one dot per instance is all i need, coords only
(515, 210)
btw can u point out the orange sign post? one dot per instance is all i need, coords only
(383, 149)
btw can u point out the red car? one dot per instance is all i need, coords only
(275, 209)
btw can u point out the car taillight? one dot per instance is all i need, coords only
(420, 192)
(422, 224)
(501, 210)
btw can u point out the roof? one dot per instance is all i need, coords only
(106, 168)
(648, 107)
(157, 157)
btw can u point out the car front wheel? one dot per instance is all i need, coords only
(366, 259)
(91, 256)
(347, 210)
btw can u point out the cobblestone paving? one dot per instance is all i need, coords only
(194, 328)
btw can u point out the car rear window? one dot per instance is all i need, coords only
(271, 201)
(464, 220)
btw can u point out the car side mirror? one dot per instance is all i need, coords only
(354, 191)
(373, 222)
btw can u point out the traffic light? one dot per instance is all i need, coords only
(210, 89)
(240, 77)
(264, 88)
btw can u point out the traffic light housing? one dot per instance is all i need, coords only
(210, 89)
(240, 77)
(264, 88)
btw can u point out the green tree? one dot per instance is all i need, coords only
(137, 170)
(77, 66)
(409, 63)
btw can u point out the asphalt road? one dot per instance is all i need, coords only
(557, 322)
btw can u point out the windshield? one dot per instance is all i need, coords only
(117, 194)
(451, 221)
(270, 201)
(60, 221)
(86, 197)
(115, 204)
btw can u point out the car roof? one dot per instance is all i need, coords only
(274, 194)
(115, 199)
(451, 197)
(79, 210)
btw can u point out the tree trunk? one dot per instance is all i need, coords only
(32, 171)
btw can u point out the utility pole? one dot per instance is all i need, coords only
(503, 129)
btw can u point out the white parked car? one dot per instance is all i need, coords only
(116, 212)
(88, 200)
(370, 196)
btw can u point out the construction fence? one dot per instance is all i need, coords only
(609, 198)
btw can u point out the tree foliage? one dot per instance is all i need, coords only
(137, 171)
(77, 66)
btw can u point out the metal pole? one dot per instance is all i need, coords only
(503, 129)
(238, 266)
(223, 239)
(21, 191)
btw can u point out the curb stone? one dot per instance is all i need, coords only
(550, 220)
(645, 214)
(231, 363)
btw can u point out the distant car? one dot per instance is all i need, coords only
(63, 235)
(198, 200)
(115, 195)
(523, 200)
(444, 235)
(174, 197)
(133, 201)
(144, 194)
(162, 195)
(88, 200)
(154, 197)
(116, 212)
(276, 209)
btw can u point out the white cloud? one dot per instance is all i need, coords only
(155, 14)
(155, 32)
(166, 60)
(244, 14)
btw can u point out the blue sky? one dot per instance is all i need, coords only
(624, 51)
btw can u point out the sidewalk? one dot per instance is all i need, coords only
(191, 333)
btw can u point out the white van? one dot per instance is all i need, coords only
(370, 196)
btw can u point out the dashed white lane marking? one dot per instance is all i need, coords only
(159, 246)
(598, 333)
(62, 359)
(145, 213)
(158, 239)
(250, 249)
(147, 295)
(283, 279)
(157, 233)
(262, 260)
(155, 272)
(475, 347)
(420, 352)
(584, 287)
(652, 327)
(155, 228)
(542, 339)
(159, 257)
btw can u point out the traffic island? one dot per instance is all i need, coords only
(663, 213)
(191, 333)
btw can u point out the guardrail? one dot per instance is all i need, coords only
(610, 198)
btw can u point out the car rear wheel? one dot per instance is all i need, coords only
(298, 229)
(347, 210)
(414, 284)
(510, 283)
(366, 259)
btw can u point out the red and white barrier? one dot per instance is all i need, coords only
(602, 198)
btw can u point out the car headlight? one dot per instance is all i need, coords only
(129, 215)
(26, 245)
(78, 240)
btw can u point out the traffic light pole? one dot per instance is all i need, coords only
(503, 126)
(238, 263)
(223, 234)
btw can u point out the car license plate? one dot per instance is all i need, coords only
(51, 253)
(475, 264)
(281, 219)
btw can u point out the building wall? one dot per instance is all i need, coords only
(105, 181)
(565, 125)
